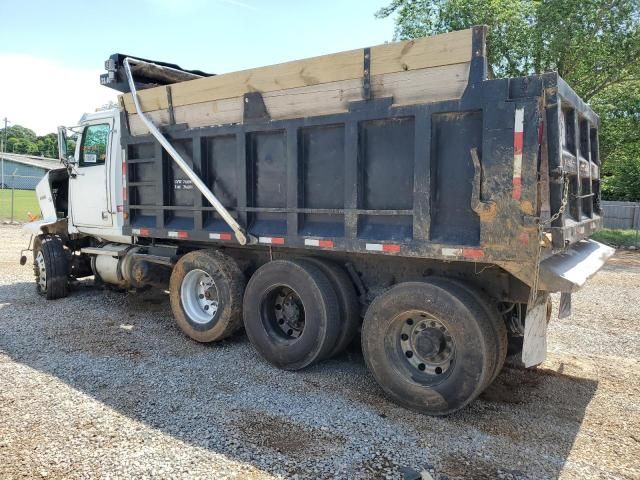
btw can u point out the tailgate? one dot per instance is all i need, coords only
(573, 162)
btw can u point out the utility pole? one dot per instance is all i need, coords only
(4, 149)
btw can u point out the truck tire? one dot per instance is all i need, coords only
(291, 313)
(205, 291)
(347, 301)
(493, 315)
(429, 346)
(51, 267)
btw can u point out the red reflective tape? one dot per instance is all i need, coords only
(472, 252)
(325, 243)
(183, 235)
(540, 132)
(390, 248)
(124, 168)
(141, 232)
(517, 188)
(518, 139)
(277, 241)
(124, 193)
(225, 236)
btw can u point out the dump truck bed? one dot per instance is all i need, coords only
(434, 162)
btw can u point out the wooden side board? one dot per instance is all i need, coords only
(411, 87)
(418, 54)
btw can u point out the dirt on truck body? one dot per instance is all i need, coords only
(396, 183)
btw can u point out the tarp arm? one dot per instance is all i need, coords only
(241, 235)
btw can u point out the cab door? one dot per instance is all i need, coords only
(88, 187)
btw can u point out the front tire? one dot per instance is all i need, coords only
(429, 346)
(205, 291)
(51, 267)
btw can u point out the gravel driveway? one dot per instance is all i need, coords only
(102, 384)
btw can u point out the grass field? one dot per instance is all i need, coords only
(618, 238)
(24, 202)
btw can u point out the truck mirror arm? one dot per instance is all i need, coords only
(240, 233)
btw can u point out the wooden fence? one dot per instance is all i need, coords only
(621, 215)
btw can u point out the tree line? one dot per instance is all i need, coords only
(25, 141)
(593, 44)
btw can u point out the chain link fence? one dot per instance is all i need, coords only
(18, 202)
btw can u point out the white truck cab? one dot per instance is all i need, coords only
(95, 181)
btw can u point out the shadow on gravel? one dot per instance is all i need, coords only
(124, 351)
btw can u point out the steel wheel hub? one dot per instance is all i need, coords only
(199, 296)
(289, 312)
(426, 343)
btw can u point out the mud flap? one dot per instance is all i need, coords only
(534, 349)
(565, 305)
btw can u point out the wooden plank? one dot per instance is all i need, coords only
(413, 87)
(447, 49)
(159, 118)
(422, 86)
(299, 73)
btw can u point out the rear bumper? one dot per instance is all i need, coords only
(569, 270)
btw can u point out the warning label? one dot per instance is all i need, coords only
(182, 184)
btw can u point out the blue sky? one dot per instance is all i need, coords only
(55, 50)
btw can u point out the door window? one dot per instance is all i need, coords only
(93, 149)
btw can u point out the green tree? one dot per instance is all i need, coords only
(593, 44)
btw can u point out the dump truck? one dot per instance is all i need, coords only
(395, 194)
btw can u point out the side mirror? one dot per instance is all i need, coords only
(62, 145)
(63, 155)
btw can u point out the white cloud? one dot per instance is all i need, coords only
(41, 94)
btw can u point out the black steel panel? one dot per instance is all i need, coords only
(387, 164)
(268, 169)
(453, 136)
(321, 166)
(375, 174)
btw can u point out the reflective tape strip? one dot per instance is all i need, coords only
(271, 240)
(383, 247)
(518, 140)
(314, 242)
(220, 236)
(463, 252)
(472, 252)
(178, 234)
(141, 232)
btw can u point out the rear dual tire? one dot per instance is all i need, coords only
(291, 313)
(205, 292)
(432, 346)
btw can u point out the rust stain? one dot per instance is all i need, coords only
(527, 207)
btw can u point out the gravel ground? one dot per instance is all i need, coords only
(102, 384)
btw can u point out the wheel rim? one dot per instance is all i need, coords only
(199, 296)
(283, 313)
(42, 272)
(422, 346)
